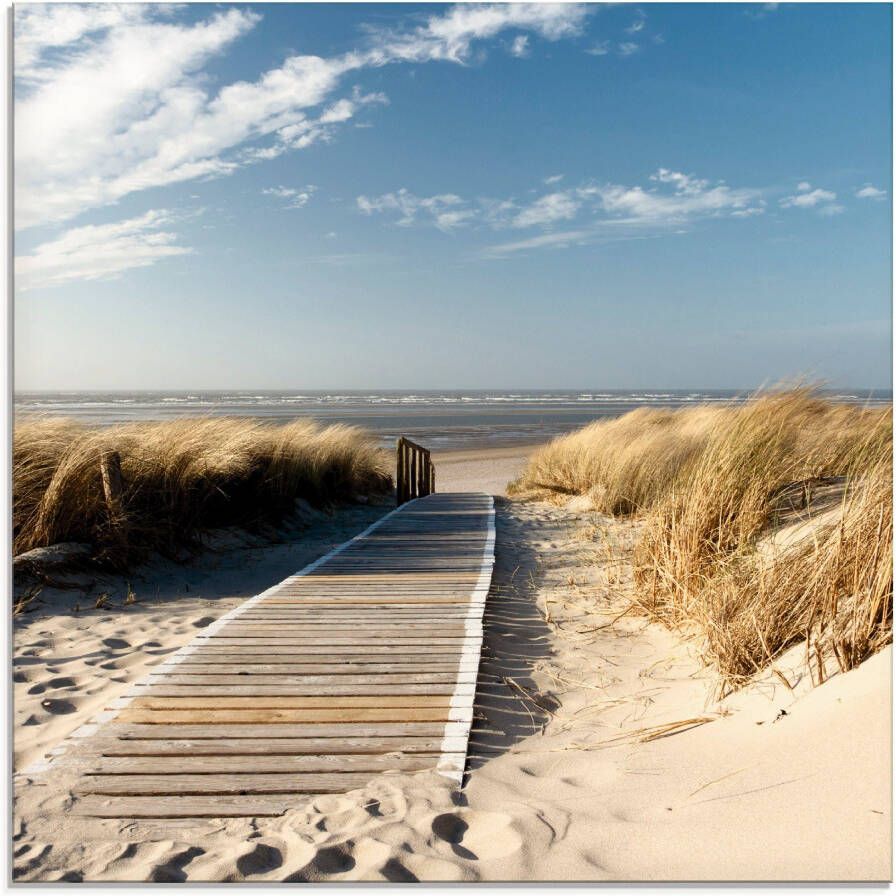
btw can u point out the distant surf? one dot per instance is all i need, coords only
(442, 420)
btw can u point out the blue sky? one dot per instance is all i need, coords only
(482, 196)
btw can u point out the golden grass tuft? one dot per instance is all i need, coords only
(710, 483)
(180, 478)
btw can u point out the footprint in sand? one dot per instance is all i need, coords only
(58, 707)
(64, 682)
(116, 643)
(173, 870)
(329, 860)
(396, 873)
(203, 622)
(262, 859)
(477, 835)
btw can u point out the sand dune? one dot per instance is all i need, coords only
(597, 753)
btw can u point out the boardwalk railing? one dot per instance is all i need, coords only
(416, 473)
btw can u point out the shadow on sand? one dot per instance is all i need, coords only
(508, 705)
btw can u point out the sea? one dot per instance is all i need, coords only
(440, 420)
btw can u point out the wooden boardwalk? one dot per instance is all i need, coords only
(364, 662)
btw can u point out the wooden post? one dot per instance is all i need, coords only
(402, 472)
(110, 473)
(110, 470)
(415, 473)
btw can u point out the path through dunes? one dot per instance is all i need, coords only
(364, 662)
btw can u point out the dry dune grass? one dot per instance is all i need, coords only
(179, 478)
(709, 482)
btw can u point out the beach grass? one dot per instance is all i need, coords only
(712, 485)
(179, 479)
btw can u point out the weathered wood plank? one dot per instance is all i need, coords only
(196, 679)
(217, 664)
(331, 691)
(328, 703)
(186, 807)
(239, 764)
(272, 716)
(266, 746)
(265, 732)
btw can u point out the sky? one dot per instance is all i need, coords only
(495, 196)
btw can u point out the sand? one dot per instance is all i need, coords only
(599, 752)
(486, 470)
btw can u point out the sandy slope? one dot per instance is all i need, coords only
(776, 784)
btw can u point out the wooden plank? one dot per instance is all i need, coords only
(328, 703)
(392, 641)
(266, 732)
(283, 716)
(335, 691)
(196, 679)
(186, 807)
(329, 630)
(266, 747)
(257, 765)
(215, 665)
(220, 785)
(238, 649)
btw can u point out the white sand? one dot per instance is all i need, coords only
(561, 786)
(486, 470)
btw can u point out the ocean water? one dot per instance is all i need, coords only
(440, 420)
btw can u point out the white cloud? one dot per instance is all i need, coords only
(39, 28)
(99, 251)
(670, 201)
(296, 198)
(560, 240)
(450, 36)
(870, 192)
(520, 46)
(548, 210)
(446, 211)
(628, 48)
(114, 100)
(599, 49)
(553, 179)
(762, 11)
(806, 197)
(638, 24)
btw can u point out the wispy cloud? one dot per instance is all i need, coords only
(112, 101)
(548, 209)
(99, 251)
(670, 200)
(871, 192)
(638, 24)
(294, 198)
(553, 179)
(628, 48)
(445, 211)
(560, 240)
(602, 48)
(520, 46)
(761, 10)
